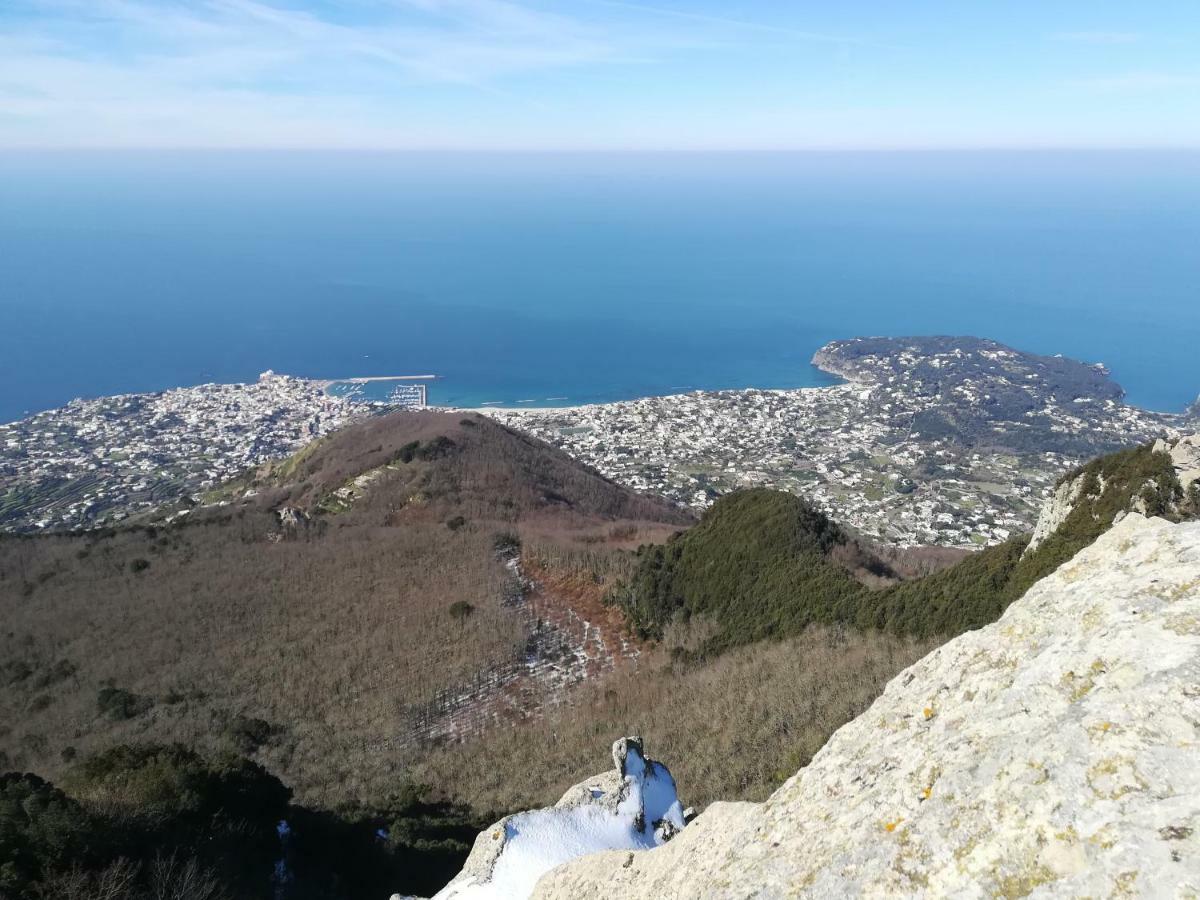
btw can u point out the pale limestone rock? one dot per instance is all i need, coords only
(1185, 456)
(1053, 753)
(1055, 511)
(290, 517)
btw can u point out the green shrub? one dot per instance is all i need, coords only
(172, 783)
(408, 452)
(14, 671)
(248, 734)
(60, 671)
(42, 831)
(461, 610)
(412, 846)
(119, 704)
(437, 448)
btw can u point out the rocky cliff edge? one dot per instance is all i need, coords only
(1053, 753)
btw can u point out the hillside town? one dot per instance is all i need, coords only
(948, 441)
(99, 461)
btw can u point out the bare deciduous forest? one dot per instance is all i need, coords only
(731, 728)
(423, 605)
(308, 619)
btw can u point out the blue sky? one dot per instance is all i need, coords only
(599, 74)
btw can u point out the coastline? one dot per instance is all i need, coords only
(944, 415)
(931, 440)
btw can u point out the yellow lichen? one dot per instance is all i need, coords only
(1181, 591)
(1025, 882)
(1042, 774)
(911, 862)
(1092, 618)
(1068, 835)
(1076, 686)
(1126, 885)
(1114, 777)
(1071, 573)
(892, 825)
(1184, 624)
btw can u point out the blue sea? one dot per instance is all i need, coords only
(576, 278)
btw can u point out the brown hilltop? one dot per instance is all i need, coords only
(327, 612)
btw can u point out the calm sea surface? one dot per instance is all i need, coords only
(588, 278)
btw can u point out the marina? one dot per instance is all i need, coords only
(407, 391)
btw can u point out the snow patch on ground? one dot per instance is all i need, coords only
(634, 808)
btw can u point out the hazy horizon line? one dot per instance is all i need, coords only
(612, 151)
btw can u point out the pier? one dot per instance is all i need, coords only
(369, 378)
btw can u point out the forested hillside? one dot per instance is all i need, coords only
(328, 600)
(765, 564)
(334, 617)
(427, 620)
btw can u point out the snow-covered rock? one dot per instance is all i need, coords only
(1053, 753)
(632, 807)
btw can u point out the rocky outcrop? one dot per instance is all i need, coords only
(1056, 510)
(1185, 456)
(1053, 753)
(632, 807)
(1111, 486)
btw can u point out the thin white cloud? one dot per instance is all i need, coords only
(241, 72)
(461, 40)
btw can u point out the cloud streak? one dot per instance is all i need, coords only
(236, 72)
(555, 74)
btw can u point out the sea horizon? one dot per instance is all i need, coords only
(591, 277)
